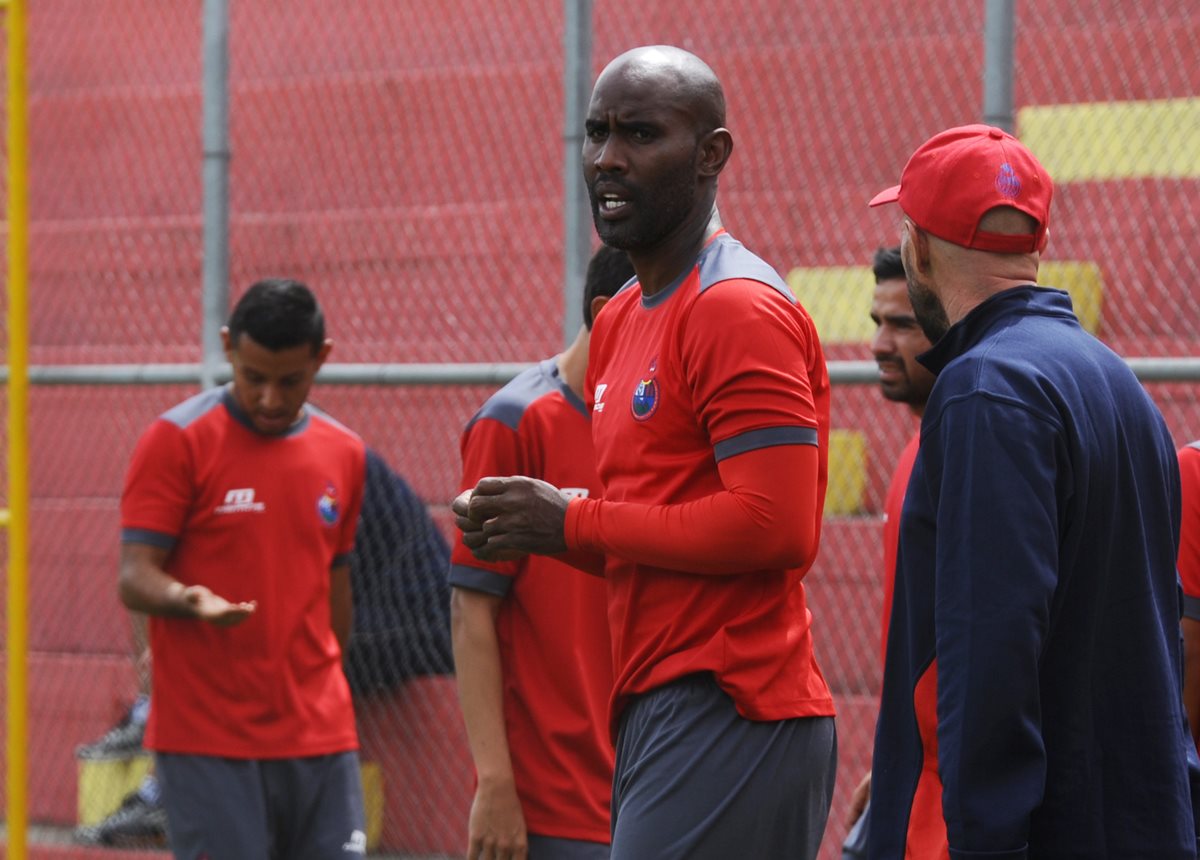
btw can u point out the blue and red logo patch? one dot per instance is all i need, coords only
(645, 399)
(645, 396)
(327, 506)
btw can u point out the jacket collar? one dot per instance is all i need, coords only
(974, 327)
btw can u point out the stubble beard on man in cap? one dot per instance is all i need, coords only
(927, 308)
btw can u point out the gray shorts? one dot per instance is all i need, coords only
(696, 780)
(263, 809)
(553, 848)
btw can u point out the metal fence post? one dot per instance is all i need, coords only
(577, 80)
(215, 265)
(998, 64)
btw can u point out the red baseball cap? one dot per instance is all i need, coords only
(957, 176)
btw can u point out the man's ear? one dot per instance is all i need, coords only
(597, 303)
(921, 247)
(715, 149)
(323, 352)
(226, 341)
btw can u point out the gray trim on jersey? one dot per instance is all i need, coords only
(478, 579)
(554, 848)
(697, 781)
(767, 437)
(313, 409)
(662, 295)
(239, 415)
(1191, 607)
(197, 407)
(1195, 444)
(146, 536)
(726, 259)
(247, 809)
(509, 404)
(626, 286)
(194, 408)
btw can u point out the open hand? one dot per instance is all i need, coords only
(216, 609)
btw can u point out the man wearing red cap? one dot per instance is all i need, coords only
(1035, 597)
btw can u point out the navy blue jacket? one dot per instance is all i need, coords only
(1037, 568)
(398, 584)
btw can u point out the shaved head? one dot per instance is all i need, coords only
(655, 145)
(679, 75)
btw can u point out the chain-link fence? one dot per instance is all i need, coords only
(404, 158)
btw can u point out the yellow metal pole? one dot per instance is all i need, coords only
(17, 699)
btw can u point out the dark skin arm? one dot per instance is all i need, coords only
(764, 518)
(531, 513)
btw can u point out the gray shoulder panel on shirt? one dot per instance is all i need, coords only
(194, 407)
(727, 258)
(508, 405)
(318, 412)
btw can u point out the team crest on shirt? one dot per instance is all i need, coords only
(646, 394)
(328, 506)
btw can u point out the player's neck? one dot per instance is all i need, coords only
(572, 362)
(659, 267)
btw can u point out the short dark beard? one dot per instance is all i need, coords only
(659, 210)
(928, 309)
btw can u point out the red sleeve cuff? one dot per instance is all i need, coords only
(580, 525)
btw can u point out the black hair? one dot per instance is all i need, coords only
(887, 264)
(607, 271)
(278, 313)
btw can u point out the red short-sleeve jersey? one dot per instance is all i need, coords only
(1189, 533)
(722, 362)
(555, 651)
(251, 517)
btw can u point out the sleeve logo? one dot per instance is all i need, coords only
(598, 406)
